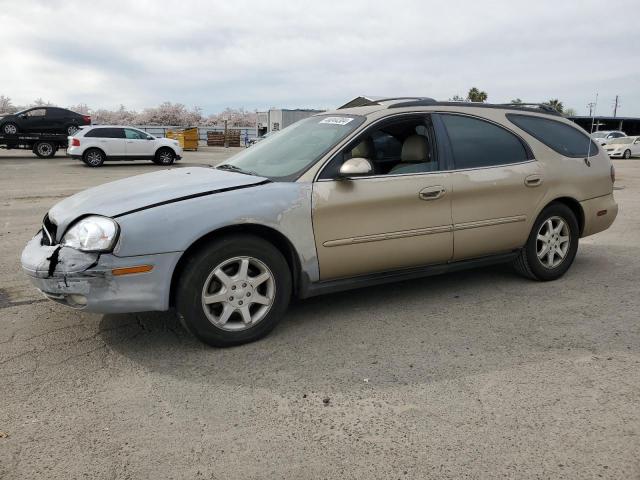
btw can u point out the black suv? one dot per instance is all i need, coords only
(43, 120)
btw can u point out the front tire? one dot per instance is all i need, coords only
(164, 156)
(93, 158)
(627, 154)
(10, 129)
(44, 149)
(552, 244)
(234, 290)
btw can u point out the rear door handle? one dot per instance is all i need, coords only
(533, 180)
(432, 193)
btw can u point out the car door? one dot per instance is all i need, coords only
(635, 147)
(496, 186)
(389, 219)
(33, 121)
(53, 121)
(138, 144)
(110, 140)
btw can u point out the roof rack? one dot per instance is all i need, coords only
(365, 101)
(529, 107)
(542, 106)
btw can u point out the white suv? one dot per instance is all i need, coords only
(95, 145)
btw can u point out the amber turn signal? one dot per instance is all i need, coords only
(131, 270)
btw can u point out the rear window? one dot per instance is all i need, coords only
(564, 139)
(105, 133)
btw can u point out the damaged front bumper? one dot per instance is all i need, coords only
(84, 280)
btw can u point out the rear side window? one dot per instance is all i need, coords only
(105, 133)
(564, 139)
(476, 143)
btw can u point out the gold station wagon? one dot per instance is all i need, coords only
(389, 190)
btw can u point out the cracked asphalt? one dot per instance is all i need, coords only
(478, 374)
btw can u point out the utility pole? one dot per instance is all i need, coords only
(591, 105)
(615, 107)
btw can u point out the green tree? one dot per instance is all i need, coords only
(517, 101)
(476, 95)
(555, 104)
(570, 112)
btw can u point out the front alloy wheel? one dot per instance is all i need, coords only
(10, 129)
(627, 154)
(238, 293)
(233, 290)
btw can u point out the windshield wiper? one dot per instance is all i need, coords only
(233, 168)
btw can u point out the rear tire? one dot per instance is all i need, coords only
(44, 149)
(164, 156)
(552, 244)
(627, 154)
(224, 305)
(71, 129)
(93, 158)
(10, 129)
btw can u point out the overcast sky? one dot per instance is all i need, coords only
(318, 54)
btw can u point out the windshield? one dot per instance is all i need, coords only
(294, 149)
(622, 140)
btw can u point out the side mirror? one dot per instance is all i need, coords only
(149, 138)
(355, 167)
(23, 115)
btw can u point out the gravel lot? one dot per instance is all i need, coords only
(480, 374)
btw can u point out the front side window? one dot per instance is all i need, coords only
(38, 112)
(294, 149)
(393, 147)
(621, 140)
(477, 143)
(564, 139)
(132, 134)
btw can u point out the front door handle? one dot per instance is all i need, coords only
(533, 180)
(432, 193)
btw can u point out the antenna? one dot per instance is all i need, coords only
(593, 117)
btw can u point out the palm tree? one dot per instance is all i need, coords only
(476, 95)
(555, 104)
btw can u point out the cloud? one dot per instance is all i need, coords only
(314, 54)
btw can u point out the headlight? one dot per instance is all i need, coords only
(92, 234)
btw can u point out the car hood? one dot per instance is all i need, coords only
(149, 190)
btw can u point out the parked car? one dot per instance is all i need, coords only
(95, 145)
(327, 205)
(43, 120)
(606, 136)
(624, 147)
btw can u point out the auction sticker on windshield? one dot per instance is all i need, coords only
(336, 120)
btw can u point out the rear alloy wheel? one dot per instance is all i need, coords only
(9, 129)
(552, 244)
(93, 157)
(233, 291)
(164, 156)
(44, 149)
(71, 129)
(627, 154)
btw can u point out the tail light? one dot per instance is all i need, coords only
(87, 119)
(613, 174)
(75, 142)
